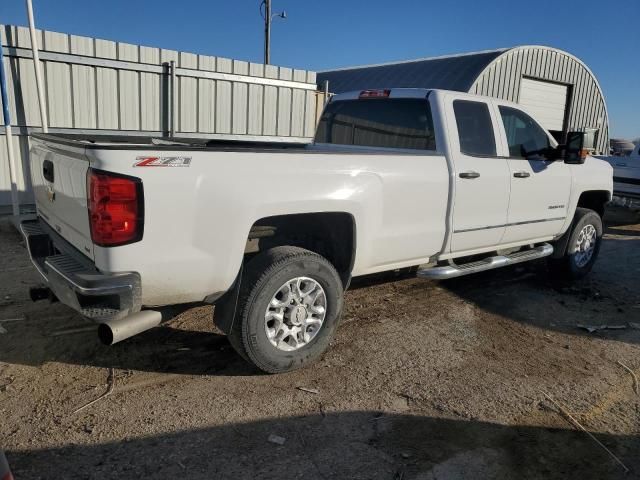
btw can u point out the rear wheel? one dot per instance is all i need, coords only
(289, 305)
(582, 248)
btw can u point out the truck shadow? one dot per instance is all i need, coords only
(348, 445)
(529, 293)
(164, 349)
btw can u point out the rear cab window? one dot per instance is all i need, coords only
(404, 123)
(475, 128)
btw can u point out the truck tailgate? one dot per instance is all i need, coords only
(59, 177)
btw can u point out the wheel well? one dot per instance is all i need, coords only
(330, 234)
(594, 200)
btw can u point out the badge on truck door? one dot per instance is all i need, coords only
(162, 162)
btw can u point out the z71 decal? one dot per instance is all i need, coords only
(162, 162)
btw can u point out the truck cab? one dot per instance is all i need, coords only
(507, 186)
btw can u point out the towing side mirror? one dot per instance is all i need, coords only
(575, 153)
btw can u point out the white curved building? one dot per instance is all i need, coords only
(556, 86)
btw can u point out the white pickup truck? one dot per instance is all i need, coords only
(447, 182)
(626, 173)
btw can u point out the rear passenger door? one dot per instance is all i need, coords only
(540, 188)
(481, 197)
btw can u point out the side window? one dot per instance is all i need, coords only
(389, 123)
(475, 130)
(525, 137)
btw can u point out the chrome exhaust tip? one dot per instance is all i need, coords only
(114, 331)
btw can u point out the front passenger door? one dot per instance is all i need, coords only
(540, 188)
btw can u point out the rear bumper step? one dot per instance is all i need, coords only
(452, 271)
(78, 284)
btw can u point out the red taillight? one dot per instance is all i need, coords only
(115, 208)
(375, 93)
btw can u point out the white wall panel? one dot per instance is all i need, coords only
(240, 102)
(150, 100)
(84, 96)
(107, 98)
(255, 110)
(206, 105)
(284, 112)
(26, 94)
(297, 113)
(59, 94)
(270, 106)
(118, 96)
(188, 105)
(129, 98)
(223, 107)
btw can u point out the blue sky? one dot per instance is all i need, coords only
(324, 34)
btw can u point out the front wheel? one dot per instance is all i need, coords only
(289, 305)
(582, 248)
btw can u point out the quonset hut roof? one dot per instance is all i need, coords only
(494, 73)
(451, 72)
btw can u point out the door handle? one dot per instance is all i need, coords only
(621, 164)
(470, 174)
(521, 174)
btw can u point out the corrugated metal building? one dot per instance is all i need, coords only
(557, 87)
(102, 87)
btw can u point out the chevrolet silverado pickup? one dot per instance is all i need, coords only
(442, 182)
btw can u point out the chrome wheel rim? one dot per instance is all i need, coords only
(295, 314)
(585, 245)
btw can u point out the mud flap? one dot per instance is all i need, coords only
(225, 308)
(560, 245)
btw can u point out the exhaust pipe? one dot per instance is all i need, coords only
(114, 331)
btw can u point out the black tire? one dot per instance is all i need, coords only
(567, 267)
(263, 276)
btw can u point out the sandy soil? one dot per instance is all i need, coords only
(424, 380)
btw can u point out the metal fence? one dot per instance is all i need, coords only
(100, 86)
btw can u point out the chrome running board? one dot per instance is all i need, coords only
(452, 271)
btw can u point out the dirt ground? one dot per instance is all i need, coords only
(424, 380)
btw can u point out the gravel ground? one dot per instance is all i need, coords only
(424, 380)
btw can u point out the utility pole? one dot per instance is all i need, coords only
(267, 32)
(268, 17)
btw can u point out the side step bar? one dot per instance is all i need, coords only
(452, 271)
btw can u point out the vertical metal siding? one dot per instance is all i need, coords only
(24, 86)
(223, 107)
(206, 105)
(84, 94)
(503, 76)
(270, 105)
(110, 95)
(107, 98)
(255, 109)
(58, 82)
